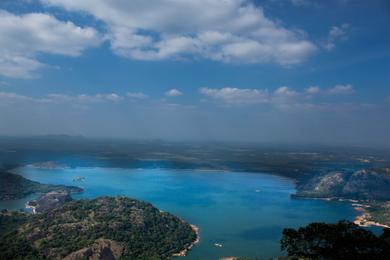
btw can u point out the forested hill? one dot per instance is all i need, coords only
(117, 227)
(13, 186)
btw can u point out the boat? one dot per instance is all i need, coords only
(79, 178)
(217, 245)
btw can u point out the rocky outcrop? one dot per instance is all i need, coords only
(366, 184)
(323, 186)
(102, 249)
(49, 201)
(358, 185)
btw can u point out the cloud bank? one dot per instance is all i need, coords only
(283, 96)
(220, 30)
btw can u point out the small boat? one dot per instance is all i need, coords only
(217, 245)
(79, 178)
(257, 190)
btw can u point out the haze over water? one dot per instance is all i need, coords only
(245, 212)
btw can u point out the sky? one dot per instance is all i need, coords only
(284, 71)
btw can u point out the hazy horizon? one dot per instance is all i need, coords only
(274, 71)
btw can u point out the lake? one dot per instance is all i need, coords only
(245, 212)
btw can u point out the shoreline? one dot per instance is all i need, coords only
(185, 251)
(33, 208)
(364, 220)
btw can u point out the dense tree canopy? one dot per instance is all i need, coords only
(137, 229)
(343, 240)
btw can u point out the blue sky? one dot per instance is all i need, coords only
(263, 71)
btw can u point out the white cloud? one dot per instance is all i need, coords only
(313, 90)
(220, 30)
(16, 66)
(85, 98)
(57, 98)
(285, 92)
(173, 93)
(336, 33)
(283, 97)
(24, 37)
(341, 89)
(136, 95)
(10, 97)
(236, 96)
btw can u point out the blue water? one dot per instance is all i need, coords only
(224, 205)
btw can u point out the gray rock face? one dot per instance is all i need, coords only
(323, 186)
(102, 249)
(359, 185)
(366, 184)
(49, 201)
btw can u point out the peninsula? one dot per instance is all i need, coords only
(116, 227)
(14, 186)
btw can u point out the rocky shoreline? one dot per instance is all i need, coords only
(49, 201)
(366, 189)
(365, 219)
(185, 251)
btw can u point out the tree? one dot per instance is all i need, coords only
(343, 240)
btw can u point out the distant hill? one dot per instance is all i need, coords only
(364, 184)
(116, 228)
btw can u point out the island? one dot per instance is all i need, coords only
(109, 227)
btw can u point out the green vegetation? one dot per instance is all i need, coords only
(117, 226)
(343, 240)
(13, 186)
(11, 245)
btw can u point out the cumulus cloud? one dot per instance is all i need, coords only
(236, 96)
(173, 93)
(341, 89)
(219, 30)
(282, 97)
(313, 90)
(245, 96)
(24, 37)
(18, 66)
(336, 33)
(285, 92)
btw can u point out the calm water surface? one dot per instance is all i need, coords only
(245, 212)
